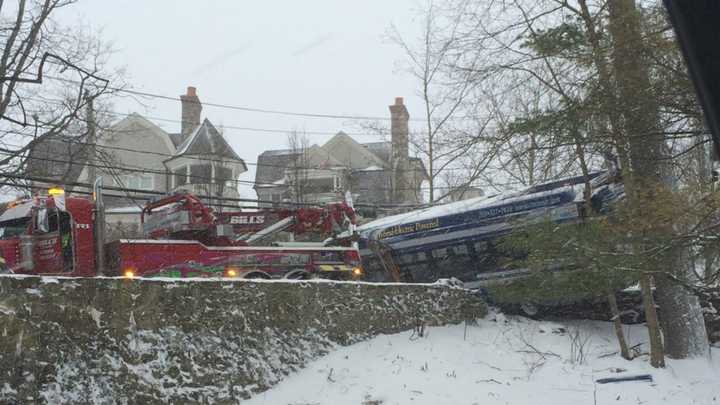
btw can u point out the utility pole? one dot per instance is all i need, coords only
(97, 188)
(91, 139)
(99, 227)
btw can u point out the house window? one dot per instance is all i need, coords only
(180, 176)
(139, 181)
(200, 174)
(322, 185)
(223, 175)
(337, 185)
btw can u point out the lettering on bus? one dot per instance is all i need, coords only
(410, 228)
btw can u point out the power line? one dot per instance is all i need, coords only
(168, 155)
(244, 108)
(231, 127)
(133, 190)
(380, 132)
(89, 193)
(142, 170)
(206, 197)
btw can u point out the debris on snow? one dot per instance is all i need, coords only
(490, 363)
(642, 377)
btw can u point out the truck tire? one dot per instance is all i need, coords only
(256, 275)
(298, 275)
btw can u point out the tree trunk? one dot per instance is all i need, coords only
(657, 356)
(615, 312)
(639, 107)
(680, 314)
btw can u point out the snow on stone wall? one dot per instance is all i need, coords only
(158, 341)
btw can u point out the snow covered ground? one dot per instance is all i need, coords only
(498, 361)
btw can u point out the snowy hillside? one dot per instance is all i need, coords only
(499, 361)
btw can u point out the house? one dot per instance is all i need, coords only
(56, 157)
(465, 193)
(136, 155)
(377, 173)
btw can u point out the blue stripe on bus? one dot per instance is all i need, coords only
(476, 217)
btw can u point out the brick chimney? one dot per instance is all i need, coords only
(191, 110)
(400, 161)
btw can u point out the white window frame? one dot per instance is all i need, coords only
(135, 181)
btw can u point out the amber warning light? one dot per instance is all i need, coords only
(54, 191)
(231, 272)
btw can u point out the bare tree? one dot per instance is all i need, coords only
(532, 148)
(455, 130)
(298, 168)
(48, 75)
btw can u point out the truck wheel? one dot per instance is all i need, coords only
(256, 275)
(298, 275)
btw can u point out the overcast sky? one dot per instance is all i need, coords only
(315, 56)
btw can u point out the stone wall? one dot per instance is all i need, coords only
(159, 341)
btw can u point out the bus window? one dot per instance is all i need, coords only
(485, 256)
(461, 263)
(407, 258)
(440, 254)
(481, 246)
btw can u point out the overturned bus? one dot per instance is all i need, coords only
(460, 240)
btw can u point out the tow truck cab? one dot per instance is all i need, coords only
(46, 236)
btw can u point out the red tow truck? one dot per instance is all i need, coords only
(55, 235)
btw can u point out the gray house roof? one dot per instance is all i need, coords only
(60, 158)
(206, 140)
(380, 149)
(369, 174)
(383, 150)
(271, 165)
(352, 153)
(176, 138)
